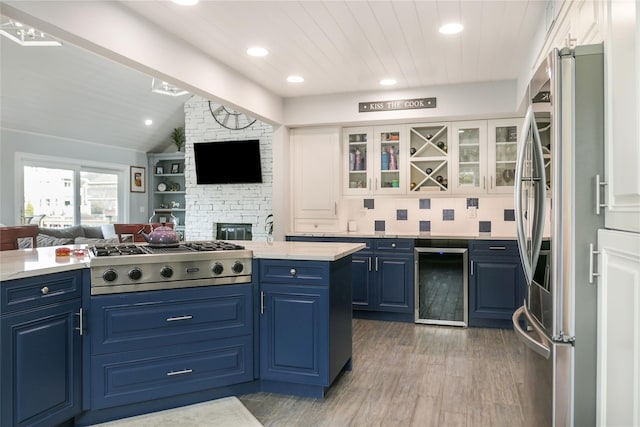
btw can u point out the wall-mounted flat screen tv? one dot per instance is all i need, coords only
(228, 162)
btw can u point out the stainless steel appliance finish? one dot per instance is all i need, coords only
(560, 308)
(134, 268)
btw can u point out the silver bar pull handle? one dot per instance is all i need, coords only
(472, 267)
(80, 321)
(184, 371)
(261, 302)
(335, 208)
(484, 182)
(497, 248)
(376, 183)
(598, 185)
(491, 182)
(369, 263)
(174, 319)
(592, 254)
(376, 263)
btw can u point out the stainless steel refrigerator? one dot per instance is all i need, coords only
(560, 153)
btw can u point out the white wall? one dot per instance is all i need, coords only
(12, 142)
(208, 205)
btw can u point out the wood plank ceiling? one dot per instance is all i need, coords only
(338, 46)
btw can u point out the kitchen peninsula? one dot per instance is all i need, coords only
(116, 355)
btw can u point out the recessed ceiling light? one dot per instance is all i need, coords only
(257, 51)
(148, 122)
(388, 82)
(185, 2)
(295, 79)
(453, 28)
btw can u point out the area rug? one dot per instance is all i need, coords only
(225, 412)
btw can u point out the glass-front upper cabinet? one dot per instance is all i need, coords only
(469, 153)
(428, 161)
(357, 161)
(503, 152)
(372, 160)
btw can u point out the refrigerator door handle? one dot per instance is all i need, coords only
(519, 214)
(531, 343)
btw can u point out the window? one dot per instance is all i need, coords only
(64, 195)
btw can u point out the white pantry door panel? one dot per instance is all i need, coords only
(316, 172)
(622, 139)
(618, 389)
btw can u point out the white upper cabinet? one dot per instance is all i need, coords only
(372, 160)
(316, 180)
(502, 152)
(622, 116)
(469, 154)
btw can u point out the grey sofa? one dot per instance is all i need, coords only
(77, 234)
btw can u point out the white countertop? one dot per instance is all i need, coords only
(35, 262)
(375, 235)
(304, 251)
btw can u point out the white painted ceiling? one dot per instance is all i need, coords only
(338, 46)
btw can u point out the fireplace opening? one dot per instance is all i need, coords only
(233, 231)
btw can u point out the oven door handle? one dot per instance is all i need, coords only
(531, 343)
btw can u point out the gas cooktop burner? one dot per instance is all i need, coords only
(129, 249)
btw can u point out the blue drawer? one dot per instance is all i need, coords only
(394, 245)
(23, 294)
(298, 272)
(133, 321)
(143, 375)
(493, 248)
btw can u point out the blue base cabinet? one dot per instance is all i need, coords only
(157, 344)
(40, 361)
(496, 283)
(305, 324)
(382, 277)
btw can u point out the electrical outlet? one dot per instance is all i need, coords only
(472, 212)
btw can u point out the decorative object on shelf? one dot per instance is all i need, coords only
(412, 151)
(230, 119)
(159, 170)
(394, 137)
(162, 187)
(174, 186)
(352, 160)
(428, 171)
(384, 160)
(175, 167)
(508, 175)
(137, 179)
(175, 205)
(178, 137)
(392, 159)
(358, 160)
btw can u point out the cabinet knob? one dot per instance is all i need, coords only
(292, 272)
(44, 290)
(393, 245)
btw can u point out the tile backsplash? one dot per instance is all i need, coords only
(464, 216)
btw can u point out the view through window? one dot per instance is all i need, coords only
(66, 197)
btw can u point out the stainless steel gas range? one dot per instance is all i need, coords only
(132, 268)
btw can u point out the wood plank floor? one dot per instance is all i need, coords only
(412, 375)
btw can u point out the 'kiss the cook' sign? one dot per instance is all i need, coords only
(398, 104)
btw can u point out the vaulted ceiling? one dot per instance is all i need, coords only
(338, 46)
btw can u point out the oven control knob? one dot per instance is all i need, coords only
(110, 275)
(135, 274)
(166, 272)
(237, 267)
(217, 268)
